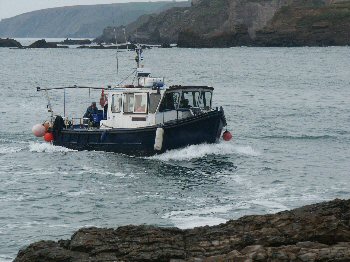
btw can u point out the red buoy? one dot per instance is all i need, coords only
(227, 136)
(48, 137)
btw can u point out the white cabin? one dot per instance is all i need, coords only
(135, 107)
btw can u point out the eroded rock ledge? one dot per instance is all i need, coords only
(319, 232)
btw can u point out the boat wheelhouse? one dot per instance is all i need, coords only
(143, 119)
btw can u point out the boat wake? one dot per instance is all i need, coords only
(47, 148)
(203, 150)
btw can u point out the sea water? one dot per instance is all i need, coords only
(288, 110)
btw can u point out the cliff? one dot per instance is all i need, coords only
(319, 232)
(225, 23)
(78, 21)
(308, 26)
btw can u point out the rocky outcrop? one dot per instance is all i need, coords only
(319, 232)
(9, 43)
(42, 44)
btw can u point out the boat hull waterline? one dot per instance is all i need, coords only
(204, 128)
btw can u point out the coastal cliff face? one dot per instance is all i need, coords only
(224, 23)
(319, 232)
(308, 26)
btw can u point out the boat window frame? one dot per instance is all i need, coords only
(145, 94)
(125, 103)
(176, 104)
(194, 103)
(133, 94)
(120, 103)
(153, 110)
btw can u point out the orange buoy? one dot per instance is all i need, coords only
(227, 136)
(48, 137)
(38, 130)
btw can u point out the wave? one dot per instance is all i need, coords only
(4, 150)
(5, 258)
(203, 150)
(197, 221)
(47, 148)
(301, 137)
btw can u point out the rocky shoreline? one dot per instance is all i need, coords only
(319, 232)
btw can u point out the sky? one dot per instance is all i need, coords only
(10, 8)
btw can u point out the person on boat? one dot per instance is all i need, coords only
(91, 110)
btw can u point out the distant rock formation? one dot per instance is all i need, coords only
(79, 21)
(9, 43)
(225, 23)
(42, 44)
(319, 232)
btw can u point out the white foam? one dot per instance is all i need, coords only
(47, 148)
(200, 151)
(101, 171)
(205, 216)
(196, 221)
(9, 149)
(201, 211)
(272, 206)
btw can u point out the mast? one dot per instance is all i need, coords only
(138, 59)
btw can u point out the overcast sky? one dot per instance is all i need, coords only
(9, 8)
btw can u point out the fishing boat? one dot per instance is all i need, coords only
(144, 118)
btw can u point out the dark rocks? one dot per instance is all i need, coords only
(319, 232)
(42, 44)
(76, 42)
(9, 43)
(119, 47)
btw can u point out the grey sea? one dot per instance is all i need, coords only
(288, 110)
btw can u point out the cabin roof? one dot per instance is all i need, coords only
(178, 87)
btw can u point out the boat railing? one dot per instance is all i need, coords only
(77, 122)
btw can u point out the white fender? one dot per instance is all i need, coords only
(158, 142)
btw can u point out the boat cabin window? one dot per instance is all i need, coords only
(135, 103)
(116, 103)
(201, 99)
(170, 101)
(140, 103)
(207, 98)
(154, 100)
(128, 103)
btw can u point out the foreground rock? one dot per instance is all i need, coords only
(319, 232)
(9, 43)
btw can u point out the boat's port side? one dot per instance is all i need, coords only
(129, 141)
(204, 128)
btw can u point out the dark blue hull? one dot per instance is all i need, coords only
(204, 128)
